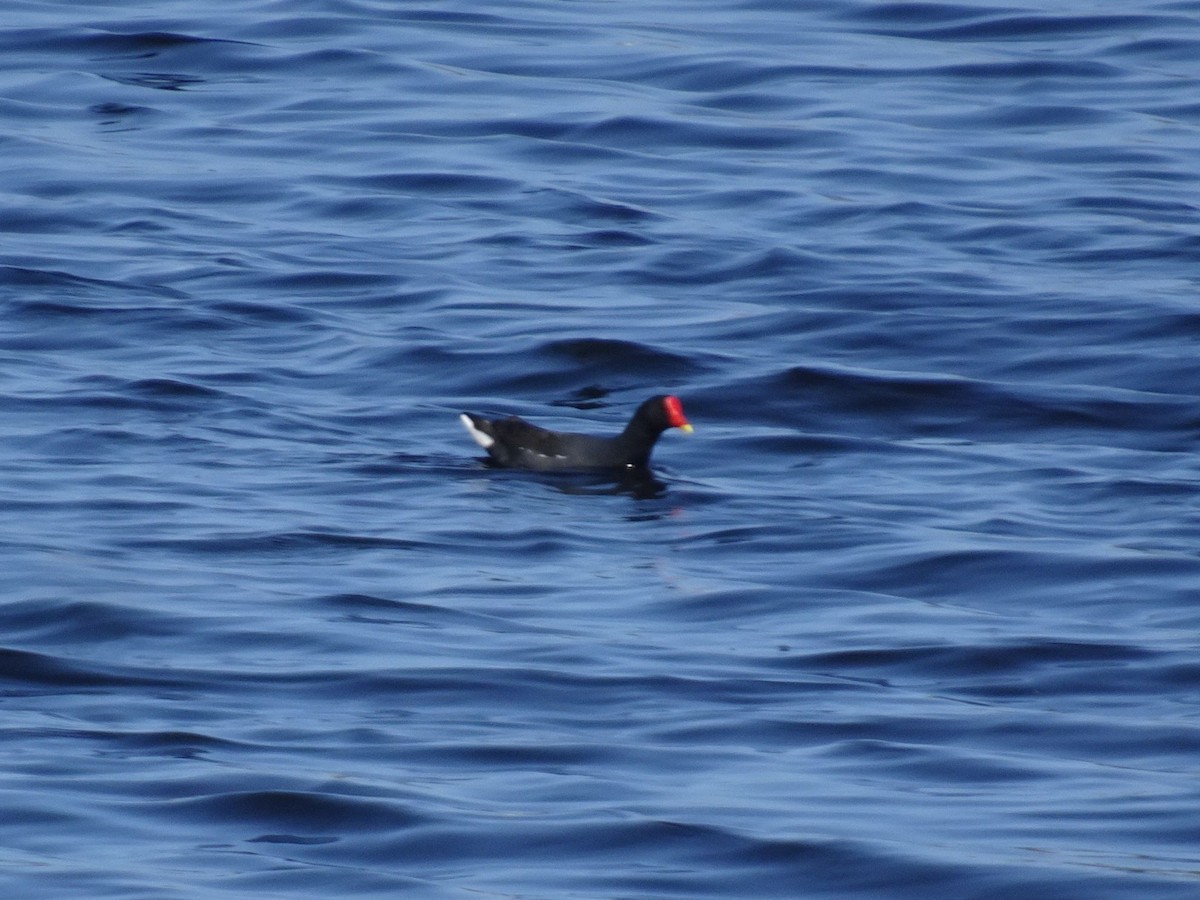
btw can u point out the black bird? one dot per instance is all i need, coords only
(516, 444)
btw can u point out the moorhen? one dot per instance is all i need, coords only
(516, 444)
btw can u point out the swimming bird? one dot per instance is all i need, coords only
(516, 444)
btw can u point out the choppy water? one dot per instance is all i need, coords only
(913, 613)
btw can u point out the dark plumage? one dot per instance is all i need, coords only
(516, 444)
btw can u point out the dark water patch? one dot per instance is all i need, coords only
(60, 282)
(431, 183)
(159, 81)
(980, 576)
(117, 744)
(335, 62)
(1180, 249)
(170, 744)
(925, 763)
(381, 611)
(552, 370)
(150, 394)
(295, 839)
(532, 542)
(751, 102)
(895, 404)
(489, 21)
(797, 447)
(272, 314)
(500, 585)
(113, 110)
(684, 267)
(938, 662)
(41, 41)
(138, 45)
(1160, 210)
(545, 136)
(636, 358)
(631, 132)
(282, 543)
(115, 117)
(170, 389)
(545, 688)
(1041, 27)
(22, 670)
(37, 325)
(396, 465)
(155, 59)
(1024, 116)
(80, 445)
(683, 858)
(704, 74)
(715, 605)
(580, 208)
(306, 813)
(355, 208)
(1147, 487)
(513, 756)
(612, 237)
(1162, 48)
(1029, 69)
(907, 13)
(313, 281)
(65, 622)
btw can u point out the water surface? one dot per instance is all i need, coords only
(912, 613)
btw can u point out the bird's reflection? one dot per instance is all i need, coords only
(637, 482)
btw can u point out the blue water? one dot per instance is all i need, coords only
(912, 614)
